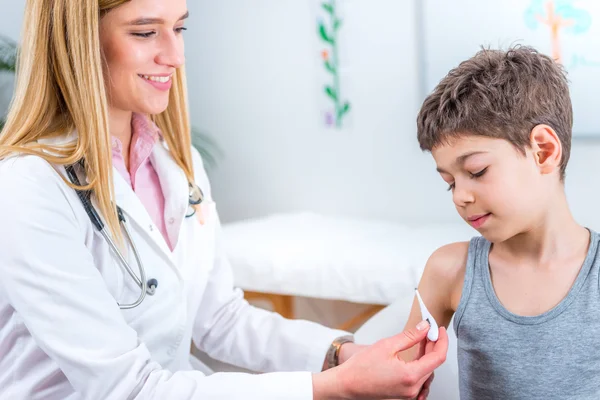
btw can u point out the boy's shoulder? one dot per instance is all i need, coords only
(446, 269)
(449, 259)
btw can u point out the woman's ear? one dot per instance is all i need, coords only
(546, 148)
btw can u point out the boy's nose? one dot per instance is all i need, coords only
(462, 196)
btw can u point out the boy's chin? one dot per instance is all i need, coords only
(498, 234)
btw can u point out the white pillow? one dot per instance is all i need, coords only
(327, 257)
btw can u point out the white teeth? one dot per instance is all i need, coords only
(161, 79)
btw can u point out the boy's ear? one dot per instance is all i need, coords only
(546, 148)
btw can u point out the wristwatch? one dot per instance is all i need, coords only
(333, 354)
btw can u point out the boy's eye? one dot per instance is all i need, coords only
(451, 187)
(180, 29)
(478, 174)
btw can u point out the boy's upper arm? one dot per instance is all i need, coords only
(440, 287)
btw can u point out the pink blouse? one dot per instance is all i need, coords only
(142, 176)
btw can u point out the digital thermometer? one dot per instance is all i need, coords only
(433, 327)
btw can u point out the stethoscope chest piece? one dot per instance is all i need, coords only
(196, 194)
(196, 197)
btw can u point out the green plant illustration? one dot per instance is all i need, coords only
(329, 33)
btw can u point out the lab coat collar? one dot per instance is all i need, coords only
(175, 188)
(135, 212)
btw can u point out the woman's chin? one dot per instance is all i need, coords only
(154, 108)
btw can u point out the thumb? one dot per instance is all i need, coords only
(411, 337)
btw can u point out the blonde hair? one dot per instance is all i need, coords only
(60, 88)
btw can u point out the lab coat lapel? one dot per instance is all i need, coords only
(135, 212)
(175, 188)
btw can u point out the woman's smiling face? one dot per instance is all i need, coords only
(142, 45)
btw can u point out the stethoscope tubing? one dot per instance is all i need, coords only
(141, 282)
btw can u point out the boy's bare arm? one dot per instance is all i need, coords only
(440, 287)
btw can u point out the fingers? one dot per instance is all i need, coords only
(423, 395)
(430, 361)
(429, 347)
(422, 349)
(425, 389)
(442, 342)
(427, 383)
(411, 337)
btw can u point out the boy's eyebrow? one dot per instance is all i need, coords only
(152, 21)
(460, 160)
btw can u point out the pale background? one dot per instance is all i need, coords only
(253, 71)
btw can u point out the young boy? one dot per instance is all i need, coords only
(525, 295)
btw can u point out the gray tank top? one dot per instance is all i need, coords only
(552, 356)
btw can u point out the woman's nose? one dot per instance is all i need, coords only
(172, 53)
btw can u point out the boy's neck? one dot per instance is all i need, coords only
(554, 236)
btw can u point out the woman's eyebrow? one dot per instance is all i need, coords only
(152, 21)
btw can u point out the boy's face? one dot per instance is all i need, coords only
(494, 187)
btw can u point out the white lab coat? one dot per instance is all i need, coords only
(62, 335)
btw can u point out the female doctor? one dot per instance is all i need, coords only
(110, 255)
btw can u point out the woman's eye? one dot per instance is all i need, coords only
(181, 29)
(143, 34)
(478, 174)
(450, 187)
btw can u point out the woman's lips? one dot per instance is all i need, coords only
(160, 82)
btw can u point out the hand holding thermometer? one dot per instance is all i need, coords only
(433, 327)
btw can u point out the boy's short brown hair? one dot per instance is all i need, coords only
(499, 94)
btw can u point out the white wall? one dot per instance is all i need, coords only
(252, 83)
(253, 86)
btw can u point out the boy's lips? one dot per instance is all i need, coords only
(477, 220)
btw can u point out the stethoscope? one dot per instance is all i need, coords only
(147, 287)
